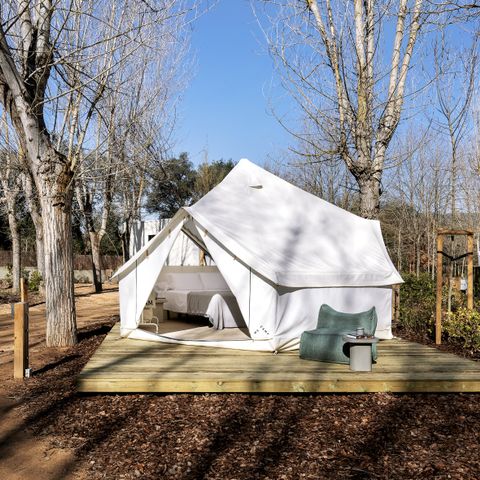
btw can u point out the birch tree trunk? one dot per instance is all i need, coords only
(11, 189)
(60, 300)
(369, 196)
(33, 206)
(54, 185)
(16, 251)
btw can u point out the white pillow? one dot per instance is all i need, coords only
(185, 281)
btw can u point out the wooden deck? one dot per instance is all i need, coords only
(122, 365)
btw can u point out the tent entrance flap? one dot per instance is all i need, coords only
(191, 231)
(138, 283)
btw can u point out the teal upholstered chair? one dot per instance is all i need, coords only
(325, 343)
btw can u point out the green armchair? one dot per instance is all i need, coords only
(325, 343)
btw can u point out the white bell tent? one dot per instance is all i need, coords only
(282, 252)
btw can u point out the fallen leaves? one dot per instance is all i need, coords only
(251, 436)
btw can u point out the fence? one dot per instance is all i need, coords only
(80, 262)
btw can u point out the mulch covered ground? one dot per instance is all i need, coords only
(234, 436)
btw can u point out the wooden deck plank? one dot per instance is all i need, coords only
(122, 365)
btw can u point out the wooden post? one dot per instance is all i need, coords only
(470, 272)
(23, 290)
(20, 342)
(438, 316)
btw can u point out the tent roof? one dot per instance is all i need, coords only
(292, 237)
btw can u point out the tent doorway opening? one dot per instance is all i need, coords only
(194, 302)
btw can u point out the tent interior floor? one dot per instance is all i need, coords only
(189, 327)
(123, 365)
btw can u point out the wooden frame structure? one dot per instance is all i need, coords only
(440, 234)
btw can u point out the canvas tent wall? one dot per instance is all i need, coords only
(282, 251)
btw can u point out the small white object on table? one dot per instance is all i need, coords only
(360, 352)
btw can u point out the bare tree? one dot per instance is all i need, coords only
(419, 189)
(455, 86)
(33, 205)
(39, 43)
(10, 189)
(329, 59)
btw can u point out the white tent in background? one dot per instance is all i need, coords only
(283, 253)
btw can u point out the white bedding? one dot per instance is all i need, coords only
(220, 307)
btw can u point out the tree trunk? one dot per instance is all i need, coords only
(40, 250)
(399, 249)
(369, 197)
(31, 199)
(125, 237)
(60, 301)
(16, 256)
(95, 240)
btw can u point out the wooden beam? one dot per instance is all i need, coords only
(446, 231)
(20, 341)
(438, 315)
(23, 290)
(470, 272)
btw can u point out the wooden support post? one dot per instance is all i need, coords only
(20, 342)
(470, 272)
(23, 290)
(438, 316)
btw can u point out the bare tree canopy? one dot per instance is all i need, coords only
(330, 56)
(57, 62)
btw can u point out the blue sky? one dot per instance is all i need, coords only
(225, 108)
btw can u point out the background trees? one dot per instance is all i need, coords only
(57, 61)
(175, 183)
(89, 93)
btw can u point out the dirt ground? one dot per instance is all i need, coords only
(49, 431)
(24, 456)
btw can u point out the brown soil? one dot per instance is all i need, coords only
(23, 455)
(225, 437)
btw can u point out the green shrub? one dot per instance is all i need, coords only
(463, 327)
(417, 304)
(34, 281)
(9, 276)
(25, 274)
